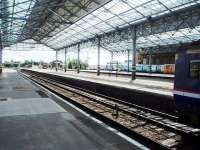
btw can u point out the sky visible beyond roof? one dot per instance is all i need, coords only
(45, 56)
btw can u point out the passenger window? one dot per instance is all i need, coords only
(195, 69)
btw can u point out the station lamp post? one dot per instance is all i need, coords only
(133, 33)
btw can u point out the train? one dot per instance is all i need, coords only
(187, 83)
(164, 69)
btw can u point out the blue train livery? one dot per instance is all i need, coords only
(187, 82)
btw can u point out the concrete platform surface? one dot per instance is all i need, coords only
(160, 86)
(13, 86)
(39, 123)
(128, 73)
(29, 107)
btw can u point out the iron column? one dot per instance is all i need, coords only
(128, 60)
(150, 60)
(78, 60)
(1, 52)
(1, 59)
(56, 60)
(98, 57)
(111, 62)
(133, 33)
(65, 59)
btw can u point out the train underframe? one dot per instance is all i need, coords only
(188, 109)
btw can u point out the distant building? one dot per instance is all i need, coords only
(53, 64)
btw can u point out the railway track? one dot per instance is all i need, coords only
(161, 129)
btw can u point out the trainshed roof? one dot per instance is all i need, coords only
(62, 23)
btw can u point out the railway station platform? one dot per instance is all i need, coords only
(152, 93)
(163, 86)
(128, 74)
(31, 118)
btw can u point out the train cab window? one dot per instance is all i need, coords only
(195, 69)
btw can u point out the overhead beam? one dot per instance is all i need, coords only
(45, 45)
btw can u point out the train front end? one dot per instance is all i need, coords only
(187, 83)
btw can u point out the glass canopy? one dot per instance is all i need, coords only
(38, 19)
(167, 38)
(16, 12)
(120, 13)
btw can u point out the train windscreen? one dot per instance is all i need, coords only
(195, 69)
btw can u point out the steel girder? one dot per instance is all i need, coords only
(13, 16)
(3, 21)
